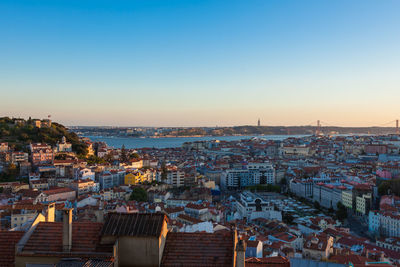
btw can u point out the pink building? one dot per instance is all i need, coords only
(375, 148)
(41, 154)
(384, 174)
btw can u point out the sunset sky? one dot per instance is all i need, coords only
(201, 63)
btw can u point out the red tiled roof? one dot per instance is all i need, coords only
(198, 249)
(8, 240)
(188, 219)
(29, 193)
(196, 206)
(316, 242)
(47, 237)
(346, 259)
(58, 190)
(277, 261)
(174, 210)
(284, 236)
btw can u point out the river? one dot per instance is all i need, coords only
(166, 142)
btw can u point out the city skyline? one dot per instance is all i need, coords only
(201, 63)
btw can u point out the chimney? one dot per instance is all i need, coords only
(240, 253)
(67, 229)
(50, 212)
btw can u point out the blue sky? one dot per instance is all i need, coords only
(199, 63)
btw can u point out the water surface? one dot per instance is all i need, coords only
(164, 142)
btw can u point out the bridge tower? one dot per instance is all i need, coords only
(318, 130)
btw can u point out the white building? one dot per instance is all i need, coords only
(390, 224)
(294, 150)
(251, 206)
(85, 186)
(328, 195)
(175, 177)
(64, 146)
(392, 243)
(17, 157)
(86, 173)
(264, 172)
(302, 188)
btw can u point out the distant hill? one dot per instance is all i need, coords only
(19, 133)
(300, 130)
(235, 130)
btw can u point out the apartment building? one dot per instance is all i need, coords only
(41, 154)
(109, 179)
(253, 174)
(175, 177)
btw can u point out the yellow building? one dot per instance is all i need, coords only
(133, 178)
(347, 199)
(363, 204)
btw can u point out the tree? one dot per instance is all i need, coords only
(108, 157)
(25, 134)
(138, 194)
(93, 159)
(13, 169)
(383, 188)
(317, 205)
(134, 156)
(61, 157)
(341, 212)
(124, 154)
(287, 218)
(163, 172)
(11, 174)
(389, 187)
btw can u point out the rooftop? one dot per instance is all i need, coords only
(47, 238)
(198, 249)
(8, 240)
(124, 224)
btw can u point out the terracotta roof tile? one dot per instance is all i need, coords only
(198, 249)
(188, 219)
(85, 263)
(57, 190)
(277, 261)
(47, 237)
(8, 240)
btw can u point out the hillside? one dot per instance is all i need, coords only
(19, 134)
